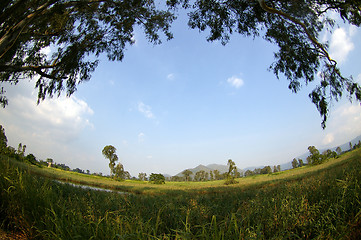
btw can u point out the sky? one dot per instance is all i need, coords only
(185, 102)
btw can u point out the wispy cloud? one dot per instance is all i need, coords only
(341, 44)
(235, 81)
(328, 139)
(171, 76)
(145, 110)
(141, 137)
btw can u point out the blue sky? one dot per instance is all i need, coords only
(183, 103)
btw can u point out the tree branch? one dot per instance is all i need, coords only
(10, 37)
(302, 25)
(37, 69)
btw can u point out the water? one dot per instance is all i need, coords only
(90, 187)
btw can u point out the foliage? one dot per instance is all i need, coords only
(109, 153)
(294, 26)
(294, 163)
(142, 176)
(30, 158)
(201, 176)
(324, 204)
(76, 32)
(3, 139)
(187, 175)
(232, 172)
(156, 178)
(119, 171)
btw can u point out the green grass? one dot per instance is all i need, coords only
(135, 186)
(321, 202)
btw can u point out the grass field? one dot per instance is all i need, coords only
(319, 202)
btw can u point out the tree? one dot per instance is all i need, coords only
(73, 30)
(49, 161)
(109, 153)
(118, 171)
(30, 158)
(201, 176)
(266, 170)
(248, 173)
(142, 176)
(315, 156)
(156, 178)
(294, 163)
(295, 27)
(217, 175)
(329, 154)
(230, 175)
(300, 162)
(3, 140)
(211, 175)
(187, 175)
(338, 150)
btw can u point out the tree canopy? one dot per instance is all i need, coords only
(295, 27)
(109, 153)
(79, 31)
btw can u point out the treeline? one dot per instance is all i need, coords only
(19, 155)
(316, 157)
(202, 176)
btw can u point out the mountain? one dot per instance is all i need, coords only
(211, 167)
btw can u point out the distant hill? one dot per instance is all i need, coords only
(211, 167)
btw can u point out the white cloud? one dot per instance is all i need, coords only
(50, 129)
(343, 124)
(171, 76)
(141, 137)
(341, 44)
(58, 119)
(145, 110)
(328, 139)
(235, 81)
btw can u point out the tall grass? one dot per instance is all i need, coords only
(322, 204)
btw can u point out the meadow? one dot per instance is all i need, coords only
(318, 202)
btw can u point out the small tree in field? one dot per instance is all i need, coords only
(142, 176)
(109, 153)
(230, 175)
(187, 174)
(156, 178)
(49, 161)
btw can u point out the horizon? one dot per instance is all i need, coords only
(186, 101)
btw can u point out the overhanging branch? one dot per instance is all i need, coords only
(302, 25)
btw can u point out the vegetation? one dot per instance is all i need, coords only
(320, 201)
(78, 32)
(157, 178)
(231, 174)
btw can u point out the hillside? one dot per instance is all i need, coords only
(284, 166)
